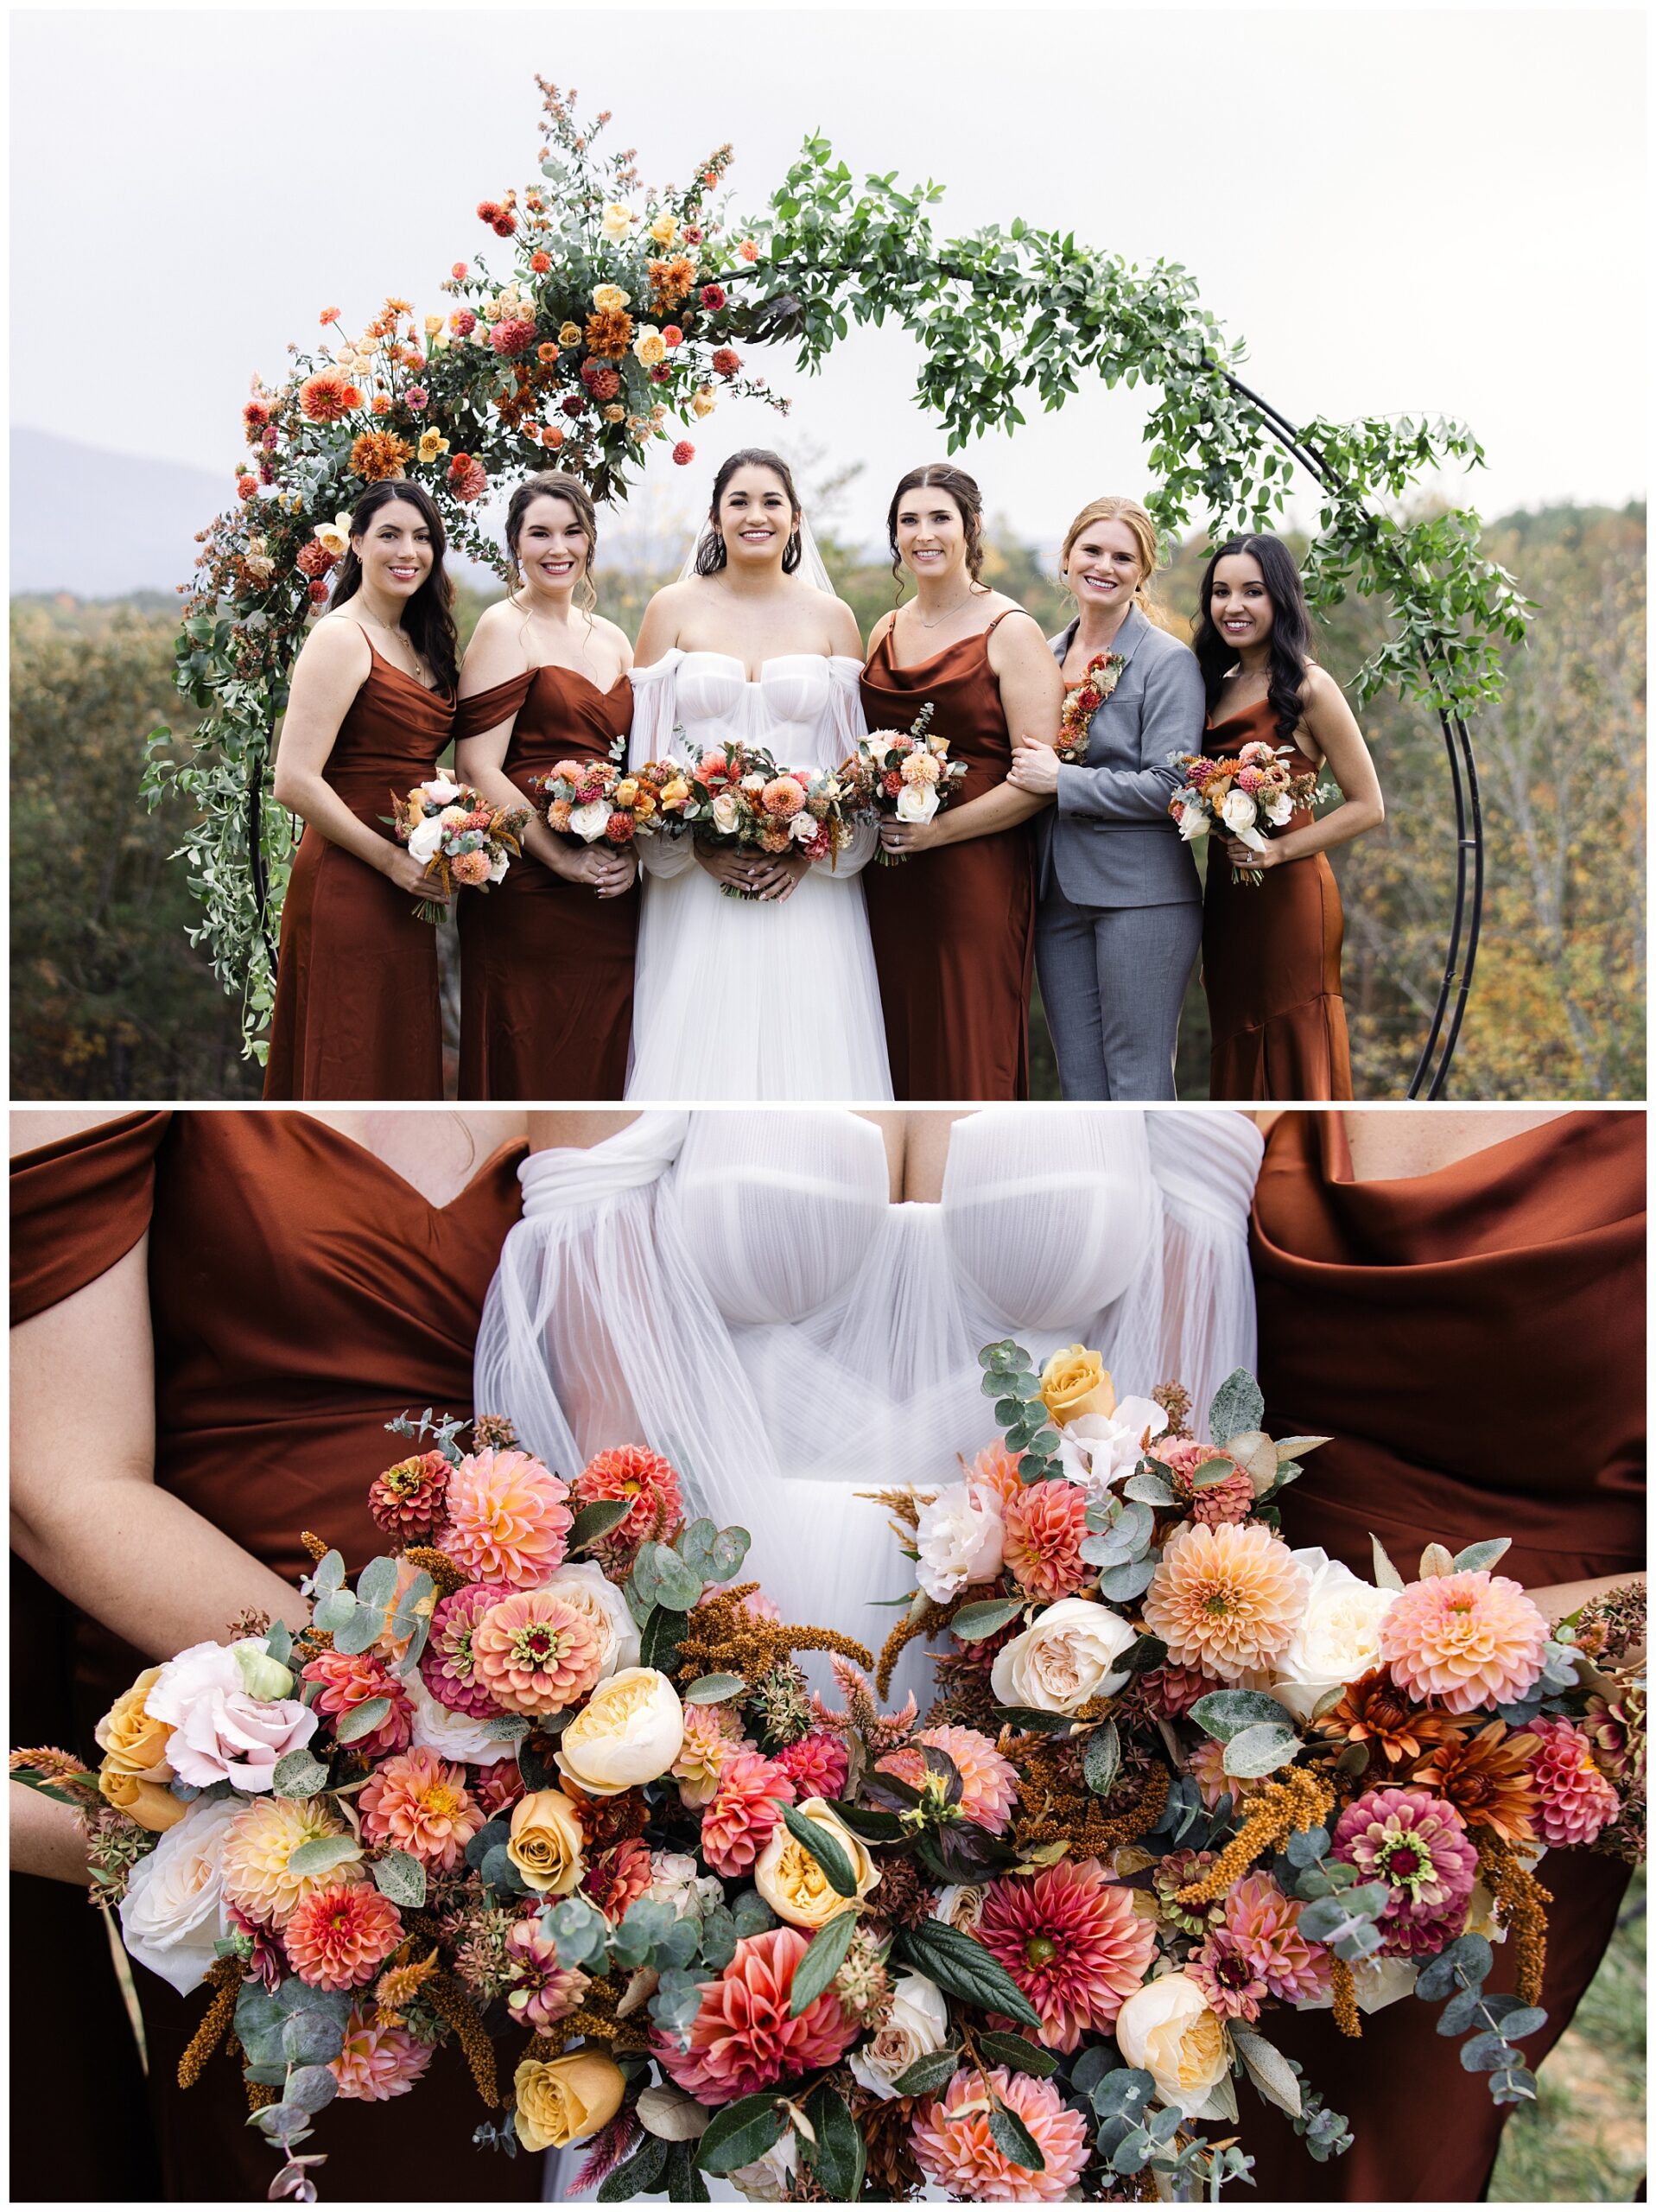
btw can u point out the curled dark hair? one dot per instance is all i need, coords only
(940, 475)
(554, 484)
(1290, 629)
(710, 553)
(429, 618)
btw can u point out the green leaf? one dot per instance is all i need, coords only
(959, 1964)
(595, 1521)
(1001, 2049)
(739, 2134)
(310, 2087)
(1484, 1555)
(637, 2175)
(837, 2158)
(823, 1960)
(824, 1847)
(1101, 1762)
(1238, 1404)
(1015, 2140)
(311, 2038)
(1385, 1575)
(1150, 1487)
(1261, 1750)
(361, 1721)
(682, 2180)
(712, 1689)
(930, 2073)
(399, 1876)
(1130, 1581)
(659, 1638)
(1225, 1714)
(972, 1623)
(299, 1775)
(377, 1584)
(323, 1853)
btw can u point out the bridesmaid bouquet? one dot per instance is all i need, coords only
(594, 799)
(740, 798)
(1245, 797)
(459, 838)
(904, 774)
(1083, 701)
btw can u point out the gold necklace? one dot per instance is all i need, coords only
(944, 616)
(417, 672)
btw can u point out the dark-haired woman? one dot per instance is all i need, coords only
(547, 957)
(954, 925)
(372, 707)
(1271, 948)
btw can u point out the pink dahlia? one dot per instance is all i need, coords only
(379, 2062)
(991, 1781)
(1045, 1526)
(951, 2140)
(446, 1665)
(1577, 1802)
(1071, 1940)
(339, 1938)
(541, 1990)
(1225, 1599)
(745, 2037)
(345, 1680)
(467, 477)
(1264, 1923)
(535, 1653)
(747, 1804)
(1418, 1845)
(712, 1736)
(817, 1764)
(419, 1804)
(512, 334)
(616, 1877)
(407, 1500)
(1467, 1640)
(507, 1519)
(646, 1481)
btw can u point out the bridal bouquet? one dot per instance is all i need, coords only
(739, 797)
(904, 774)
(459, 837)
(1245, 796)
(594, 799)
(1083, 701)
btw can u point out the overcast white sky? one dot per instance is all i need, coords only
(1402, 211)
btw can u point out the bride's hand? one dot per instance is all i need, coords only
(601, 867)
(725, 864)
(776, 874)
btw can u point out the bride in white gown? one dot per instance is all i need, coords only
(743, 1292)
(774, 995)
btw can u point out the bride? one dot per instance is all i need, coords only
(773, 996)
(789, 1305)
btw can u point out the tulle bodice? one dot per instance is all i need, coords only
(804, 707)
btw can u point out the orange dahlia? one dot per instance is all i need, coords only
(1045, 1525)
(609, 332)
(951, 2140)
(1226, 1599)
(1374, 1711)
(1486, 1778)
(379, 455)
(419, 1804)
(340, 1937)
(649, 1483)
(746, 2036)
(325, 396)
(1467, 1640)
(508, 1521)
(535, 1653)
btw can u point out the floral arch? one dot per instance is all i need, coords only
(621, 324)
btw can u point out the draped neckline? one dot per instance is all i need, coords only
(909, 668)
(365, 1151)
(1338, 1168)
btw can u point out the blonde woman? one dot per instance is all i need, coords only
(1119, 918)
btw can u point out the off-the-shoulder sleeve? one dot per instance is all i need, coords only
(655, 695)
(847, 727)
(80, 1205)
(486, 710)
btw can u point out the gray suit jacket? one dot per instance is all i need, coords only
(1109, 841)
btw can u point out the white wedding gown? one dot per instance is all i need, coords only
(736, 1290)
(748, 998)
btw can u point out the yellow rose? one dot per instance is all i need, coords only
(650, 347)
(565, 2100)
(610, 299)
(703, 402)
(794, 1886)
(630, 1730)
(132, 1742)
(1169, 2028)
(615, 413)
(432, 442)
(626, 791)
(674, 791)
(146, 1803)
(664, 229)
(1075, 1381)
(434, 323)
(617, 220)
(546, 1840)
(569, 334)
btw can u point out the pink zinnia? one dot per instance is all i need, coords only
(447, 1667)
(419, 1804)
(951, 2140)
(648, 1483)
(1072, 1942)
(1418, 1845)
(1045, 1526)
(340, 1937)
(379, 2062)
(1226, 1504)
(407, 1499)
(1264, 1923)
(1577, 1802)
(1467, 1640)
(991, 1781)
(745, 1807)
(817, 1764)
(616, 1877)
(535, 1653)
(1228, 1975)
(507, 1519)
(541, 1991)
(743, 2039)
(345, 1680)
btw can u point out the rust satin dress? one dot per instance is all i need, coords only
(545, 966)
(301, 1294)
(1270, 960)
(1473, 1340)
(953, 930)
(356, 1013)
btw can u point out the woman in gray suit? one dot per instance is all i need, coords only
(1119, 921)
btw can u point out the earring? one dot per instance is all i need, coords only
(791, 550)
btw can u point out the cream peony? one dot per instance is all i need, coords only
(334, 536)
(917, 2025)
(1169, 2029)
(792, 1882)
(219, 1732)
(1099, 1449)
(959, 1538)
(1066, 1657)
(770, 2179)
(172, 1912)
(460, 1736)
(583, 1583)
(628, 1732)
(1337, 1640)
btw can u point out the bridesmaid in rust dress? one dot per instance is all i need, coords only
(1462, 1311)
(953, 923)
(1271, 946)
(242, 1300)
(356, 1011)
(546, 958)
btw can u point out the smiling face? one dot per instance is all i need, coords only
(553, 547)
(930, 533)
(1105, 566)
(1239, 604)
(396, 551)
(755, 517)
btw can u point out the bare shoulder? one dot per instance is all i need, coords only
(52, 1124)
(575, 1132)
(337, 646)
(1317, 688)
(845, 632)
(883, 627)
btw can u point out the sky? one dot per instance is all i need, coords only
(1402, 211)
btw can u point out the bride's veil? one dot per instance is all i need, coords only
(812, 566)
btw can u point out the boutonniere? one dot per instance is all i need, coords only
(1083, 701)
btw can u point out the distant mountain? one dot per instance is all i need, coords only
(99, 524)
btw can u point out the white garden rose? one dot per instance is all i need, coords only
(1170, 2030)
(425, 839)
(1099, 1449)
(583, 1583)
(726, 812)
(958, 1537)
(1193, 823)
(1337, 1640)
(442, 790)
(462, 1737)
(803, 827)
(219, 1732)
(592, 820)
(172, 1912)
(916, 802)
(1066, 1656)
(630, 1730)
(1239, 814)
(917, 2025)
(1279, 811)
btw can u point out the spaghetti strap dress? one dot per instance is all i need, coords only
(1270, 960)
(1473, 1341)
(301, 1294)
(954, 929)
(357, 1011)
(545, 966)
